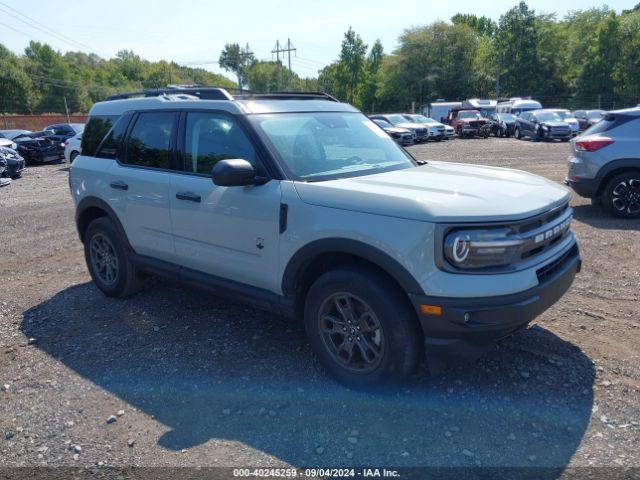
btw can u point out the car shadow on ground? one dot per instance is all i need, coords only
(596, 217)
(209, 369)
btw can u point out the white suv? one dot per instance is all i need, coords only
(301, 205)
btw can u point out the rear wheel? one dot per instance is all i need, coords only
(362, 328)
(621, 196)
(108, 261)
(73, 156)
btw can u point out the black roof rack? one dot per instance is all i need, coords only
(289, 96)
(218, 93)
(205, 93)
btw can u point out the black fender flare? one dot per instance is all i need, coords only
(95, 202)
(609, 169)
(305, 255)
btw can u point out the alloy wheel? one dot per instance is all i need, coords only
(351, 332)
(626, 196)
(104, 259)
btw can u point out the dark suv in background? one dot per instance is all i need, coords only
(542, 125)
(605, 163)
(588, 118)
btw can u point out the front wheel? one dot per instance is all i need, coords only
(621, 196)
(517, 134)
(362, 327)
(108, 260)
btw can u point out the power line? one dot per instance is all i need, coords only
(32, 23)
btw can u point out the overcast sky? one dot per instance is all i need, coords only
(194, 32)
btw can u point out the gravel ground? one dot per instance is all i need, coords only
(174, 377)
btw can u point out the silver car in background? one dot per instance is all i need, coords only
(605, 163)
(567, 117)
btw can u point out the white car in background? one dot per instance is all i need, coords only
(437, 130)
(72, 147)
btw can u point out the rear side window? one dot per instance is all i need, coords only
(96, 129)
(111, 146)
(149, 140)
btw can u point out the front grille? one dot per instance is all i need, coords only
(551, 268)
(422, 132)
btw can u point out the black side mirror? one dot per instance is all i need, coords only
(235, 173)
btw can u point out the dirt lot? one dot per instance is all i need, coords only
(173, 377)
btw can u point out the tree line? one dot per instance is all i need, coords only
(589, 58)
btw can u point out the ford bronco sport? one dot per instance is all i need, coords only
(301, 205)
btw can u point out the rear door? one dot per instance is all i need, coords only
(229, 232)
(139, 183)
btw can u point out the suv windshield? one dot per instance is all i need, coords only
(548, 117)
(323, 146)
(507, 117)
(595, 114)
(422, 119)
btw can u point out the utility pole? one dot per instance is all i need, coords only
(245, 56)
(288, 48)
(277, 51)
(66, 108)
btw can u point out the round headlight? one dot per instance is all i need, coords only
(461, 247)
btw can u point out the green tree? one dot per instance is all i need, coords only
(351, 66)
(235, 59)
(369, 91)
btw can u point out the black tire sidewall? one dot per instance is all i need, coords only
(401, 332)
(607, 194)
(105, 227)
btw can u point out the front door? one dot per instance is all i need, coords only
(229, 232)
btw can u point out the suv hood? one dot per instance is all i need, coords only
(397, 130)
(409, 125)
(440, 192)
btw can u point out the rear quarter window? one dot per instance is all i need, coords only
(96, 129)
(611, 121)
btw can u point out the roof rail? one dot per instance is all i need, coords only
(290, 96)
(205, 93)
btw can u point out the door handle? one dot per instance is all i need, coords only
(119, 185)
(188, 196)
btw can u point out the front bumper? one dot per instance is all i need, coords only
(467, 327)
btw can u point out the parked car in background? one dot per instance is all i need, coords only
(65, 129)
(566, 117)
(605, 163)
(72, 147)
(468, 123)
(403, 136)
(436, 129)
(588, 118)
(517, 105)
(502, 124)
(40, 147)
(449, 132)
(420, 132)
(542, 125)
(14, 163)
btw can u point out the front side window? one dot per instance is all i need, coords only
(211, 137)
(321, 146)
(149, 140)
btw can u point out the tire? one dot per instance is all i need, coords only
(73, 156)
(388, 354)
(621, 195)
(517, 134)
(460, 134)
(125, 281)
